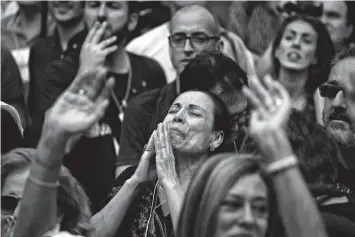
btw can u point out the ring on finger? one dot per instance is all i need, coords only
(81, 92)
(146, 148)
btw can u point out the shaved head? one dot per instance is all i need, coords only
(195, 12)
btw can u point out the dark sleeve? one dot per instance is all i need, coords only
(57, 78)
(159, 75)
(12, 90)
(11, 82)
(92, 163)
(33, 80)
(134, 134)
(11, 135)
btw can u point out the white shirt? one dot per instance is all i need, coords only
(154, 44)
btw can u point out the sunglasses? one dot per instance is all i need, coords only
(9, 203)
(329, 91)
(197, 40)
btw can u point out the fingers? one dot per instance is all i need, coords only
(255, 101)
(166, 137)
(261, 91)
(99, 33)
(150, 146)
(109, 50)
(92, 33)
(157, 146)
(107, 42)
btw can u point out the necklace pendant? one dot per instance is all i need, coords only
(124, 103)
(121, 116)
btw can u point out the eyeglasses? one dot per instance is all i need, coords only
(9, 203)
(197, 40)
(329, 91)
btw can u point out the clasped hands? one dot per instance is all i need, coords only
(163, 168)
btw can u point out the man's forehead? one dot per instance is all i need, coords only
(190, 22)
(342, 70)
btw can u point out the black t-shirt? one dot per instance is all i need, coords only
(12, 90)
(346, 177)
(142, 116)
(11, 134)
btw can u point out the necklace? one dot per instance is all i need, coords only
(123, 105)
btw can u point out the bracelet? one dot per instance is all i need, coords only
(44, 165)
(42, 183)
(281, 165)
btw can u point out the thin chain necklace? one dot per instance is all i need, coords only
(123, 105)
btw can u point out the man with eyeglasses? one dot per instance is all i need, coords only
(339, 111)
(193, 30)
(153, 44)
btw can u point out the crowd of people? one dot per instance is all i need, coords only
(177, 118)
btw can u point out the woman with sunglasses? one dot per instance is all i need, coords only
(239, 195)
(300, 57)
(72, 203)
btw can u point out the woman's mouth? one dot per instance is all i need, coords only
(293, 56)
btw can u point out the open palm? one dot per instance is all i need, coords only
(272, 106)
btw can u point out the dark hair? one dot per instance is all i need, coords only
(345, 52)
(209, 68)
(316, 151)
(209, 188)
(221, 119)
(350, 19)
(72, 201)
(317, 74)
(133, 7)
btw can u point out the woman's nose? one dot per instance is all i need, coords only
(179, 117)
(247, 219)
(296, 42)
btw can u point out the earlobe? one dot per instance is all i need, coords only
(220, 45)
(217, 140)
(133, 21)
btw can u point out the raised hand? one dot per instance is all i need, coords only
(146, 171)
(272, 107)
(165, 159)
(82, 104)
(94, 51)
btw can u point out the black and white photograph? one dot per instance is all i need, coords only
(177, 118)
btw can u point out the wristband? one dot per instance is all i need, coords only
(42, 183)
(281, 165)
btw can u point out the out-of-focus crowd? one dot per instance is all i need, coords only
(178, 118)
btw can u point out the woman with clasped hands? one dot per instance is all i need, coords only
(194, 128)
(231, 197)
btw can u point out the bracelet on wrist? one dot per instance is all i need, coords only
(281, 165)
(42, 183)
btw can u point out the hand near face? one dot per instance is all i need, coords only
(165, 159)
(349, 90)
(146, 171)
(82, 104)
(93, 52)
(272, 106)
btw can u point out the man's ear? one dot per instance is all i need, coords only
(133, 21)
(220, 45)
(217, 140)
